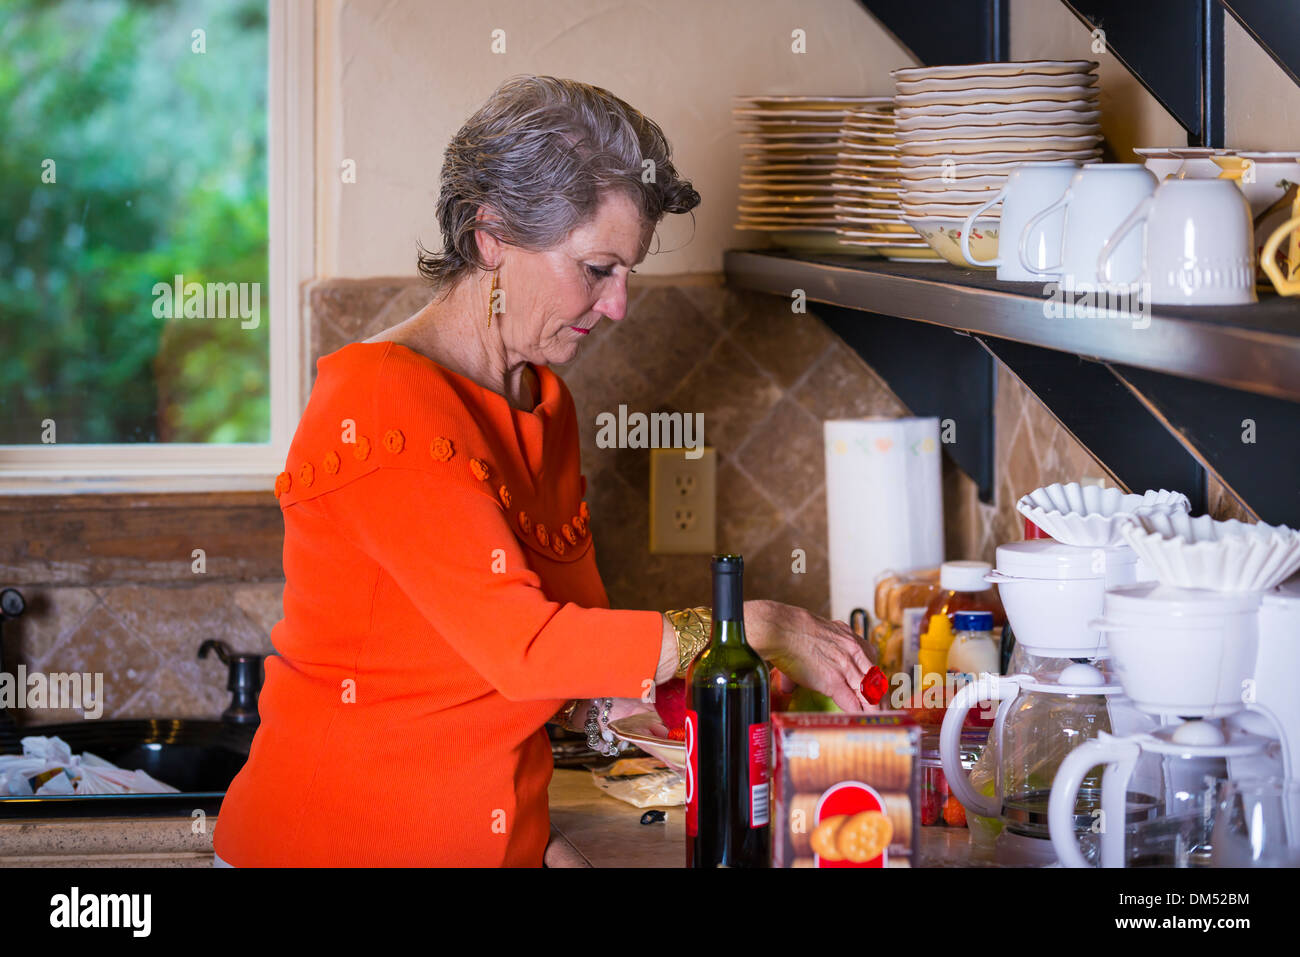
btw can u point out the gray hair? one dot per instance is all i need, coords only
(541, 153)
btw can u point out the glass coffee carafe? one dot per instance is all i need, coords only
(1044, 713)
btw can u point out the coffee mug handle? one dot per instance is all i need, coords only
(1139, 215)
(1268, 259)
(969, 224)
(1048, 272)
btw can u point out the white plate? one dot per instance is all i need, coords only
(799, 136)
(944, 84)
(1004, 129)
(813, 102)
(1029, 156)
(998, 118)
(984, 182)
(1001, 144)
(646, 731)
(959, 210)
(1002, 68)
(1080, 105)
(914, 197)
(986, 95)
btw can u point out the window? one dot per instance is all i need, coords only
(154, 233)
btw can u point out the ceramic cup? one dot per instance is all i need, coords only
(1100, 195)
(1029, 188)
(1198, 244)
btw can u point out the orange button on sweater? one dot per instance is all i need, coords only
(441, 602)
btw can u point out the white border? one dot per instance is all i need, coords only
(194, 467)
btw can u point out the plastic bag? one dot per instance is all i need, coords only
(642, 782)
(47, 766)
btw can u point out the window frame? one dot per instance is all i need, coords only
(196, 467)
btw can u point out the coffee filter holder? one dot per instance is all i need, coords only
(1200, 552)
(1091, 516)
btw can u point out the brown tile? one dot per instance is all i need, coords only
(732, 393)
(100, 644)
(746, 518)
(784, 343)
(665, 340)
(349, 305)
(809, 520)
(178, 620)
(785, 453)
(842, 386)
(263, 605)
(170, 695)
(51, 614)
(776, 572)
(722, 305)
(405, 303)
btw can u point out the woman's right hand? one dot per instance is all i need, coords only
(814, 652)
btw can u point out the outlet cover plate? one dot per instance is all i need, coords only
(683, 502)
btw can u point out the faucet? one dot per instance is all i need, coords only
(245, 681)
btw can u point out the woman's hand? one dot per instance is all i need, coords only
(814, 652)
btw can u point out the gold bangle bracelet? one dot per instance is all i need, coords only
(693, 627)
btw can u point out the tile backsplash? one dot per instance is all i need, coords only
(111, 586)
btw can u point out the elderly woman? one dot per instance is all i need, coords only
(442, 600)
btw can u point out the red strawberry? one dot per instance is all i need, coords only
(670, 702)
(677, 734)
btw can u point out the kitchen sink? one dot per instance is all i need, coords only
(198, 757)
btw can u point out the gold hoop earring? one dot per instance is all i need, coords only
(491, 297)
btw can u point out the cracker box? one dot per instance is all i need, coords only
(846, 789)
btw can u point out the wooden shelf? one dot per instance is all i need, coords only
(1253, 348)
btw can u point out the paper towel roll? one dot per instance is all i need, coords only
(884, 504)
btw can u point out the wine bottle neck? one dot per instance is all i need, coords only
(728, 608)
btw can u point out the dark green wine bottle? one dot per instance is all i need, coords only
(728, 738)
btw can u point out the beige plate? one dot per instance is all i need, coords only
(984, 159)
(938, 85)
(1005, 129)
(646, 731)
(936, 184)
(944, 121)
(1027, 94)
(1081, 105)
(1002, 68)
(1001, 144)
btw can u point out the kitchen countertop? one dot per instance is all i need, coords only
(591, 829)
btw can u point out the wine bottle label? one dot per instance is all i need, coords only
(760, 749)
(692, 773)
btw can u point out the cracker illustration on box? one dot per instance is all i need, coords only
(846, 789)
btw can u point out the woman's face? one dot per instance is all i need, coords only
(554, 298)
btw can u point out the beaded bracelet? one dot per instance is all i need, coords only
(599, 738)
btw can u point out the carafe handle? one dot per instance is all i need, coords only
(1120, 755)
(984, 688)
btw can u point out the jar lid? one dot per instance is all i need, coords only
(964, 576)
(1147, 599)
(1046, 558)
(973, 620)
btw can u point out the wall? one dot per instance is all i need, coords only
(403, 76)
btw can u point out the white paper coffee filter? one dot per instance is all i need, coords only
(1219, 556)
(1093, 516)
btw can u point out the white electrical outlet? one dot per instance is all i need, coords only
(683, 496)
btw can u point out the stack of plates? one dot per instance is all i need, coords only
(790, 153)
(962, 129)
(868, 208)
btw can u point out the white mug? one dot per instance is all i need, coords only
(1198, 244)
(1029, 188)
(1099, 197)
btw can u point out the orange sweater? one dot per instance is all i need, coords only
(441, 602)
